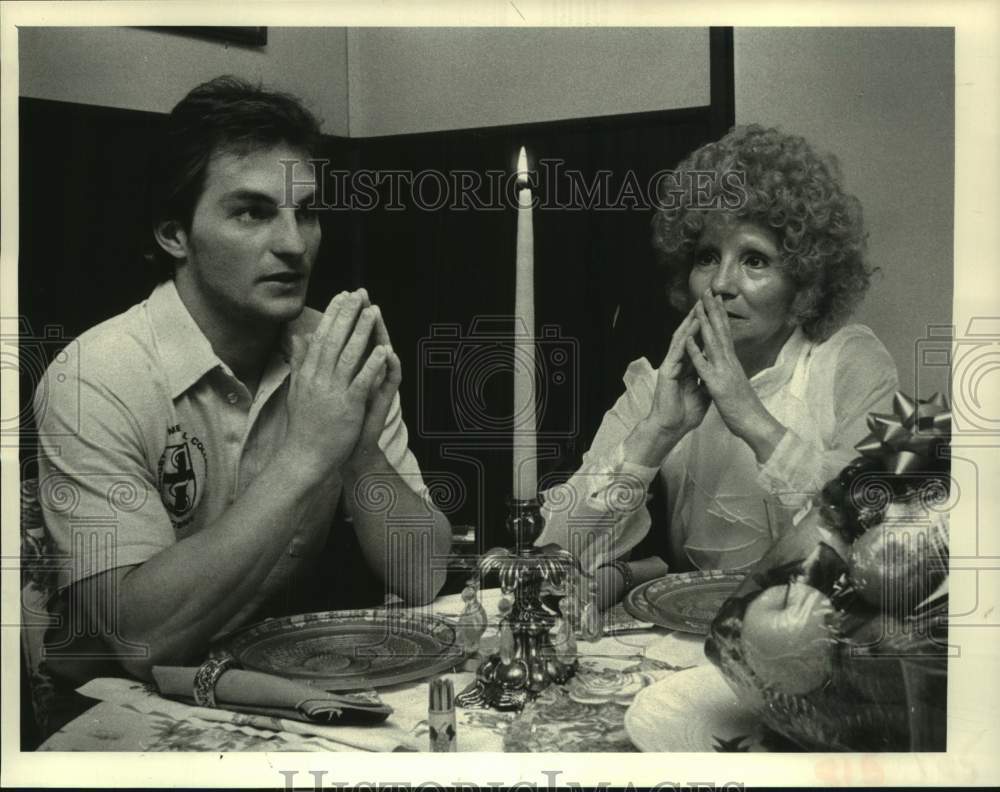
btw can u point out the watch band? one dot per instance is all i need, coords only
(207, 677)
(624, 570)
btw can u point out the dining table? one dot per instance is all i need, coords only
(587, 713)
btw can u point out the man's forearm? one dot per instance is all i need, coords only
(177, 600)
(404, 538)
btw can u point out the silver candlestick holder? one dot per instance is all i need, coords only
(526, 661)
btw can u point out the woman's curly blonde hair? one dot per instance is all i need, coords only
(789, 188)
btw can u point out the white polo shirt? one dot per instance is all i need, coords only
(147, 437)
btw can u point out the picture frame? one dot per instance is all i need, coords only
(245, 36)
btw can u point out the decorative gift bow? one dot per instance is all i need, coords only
(911, 439)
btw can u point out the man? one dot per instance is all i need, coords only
(220, 421)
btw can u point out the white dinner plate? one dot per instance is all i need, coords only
(692, 711)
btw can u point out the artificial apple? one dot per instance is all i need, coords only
(898, 563)
(847, 502)
(788, 638)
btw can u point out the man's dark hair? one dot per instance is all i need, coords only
(226, 114)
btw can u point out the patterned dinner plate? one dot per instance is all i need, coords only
(693, 711)
(348, 650)
(687, 602)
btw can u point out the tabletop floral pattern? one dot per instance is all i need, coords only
(588, 713)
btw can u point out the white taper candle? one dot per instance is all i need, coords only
(525, 448)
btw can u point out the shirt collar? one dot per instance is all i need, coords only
(776, 375)
(185, 352)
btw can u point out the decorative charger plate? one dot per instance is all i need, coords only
(693, 711)
(348, 650)
(687, 602)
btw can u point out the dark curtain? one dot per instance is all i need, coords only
(442, 274)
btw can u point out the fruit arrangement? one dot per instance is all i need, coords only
(838, 636)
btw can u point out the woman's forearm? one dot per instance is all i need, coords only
(649, 443)
(762, 432)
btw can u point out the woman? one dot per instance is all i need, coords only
(764, 390)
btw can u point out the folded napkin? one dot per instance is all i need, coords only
(399, 733)
(266, 694)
